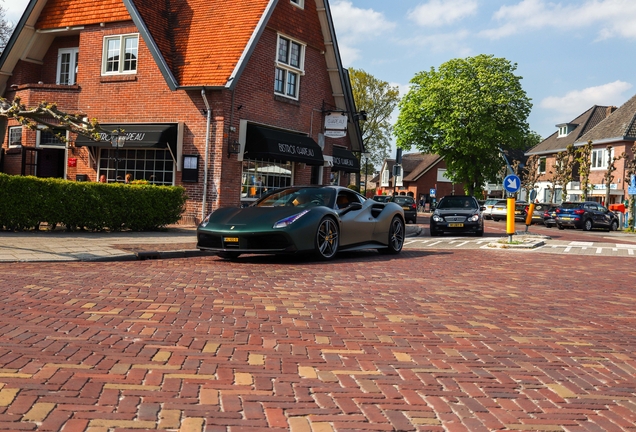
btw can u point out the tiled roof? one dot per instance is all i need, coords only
(421, 163)
(583, 123)
(620, 125)
(70, 13)
(209, 36)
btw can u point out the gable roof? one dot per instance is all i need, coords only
(582, 124)
(425, 161)
(620, 126)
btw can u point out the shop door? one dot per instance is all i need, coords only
(51, 163)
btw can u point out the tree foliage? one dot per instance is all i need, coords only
(6, 28)
(48, 117)
(466, 111)
(378, 99)
(584, 160)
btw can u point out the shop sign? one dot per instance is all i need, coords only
(332, 133)
(336, 121)
(295, 150)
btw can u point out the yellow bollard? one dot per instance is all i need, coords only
(529, 215)
(510, 220)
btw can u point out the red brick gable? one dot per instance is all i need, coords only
(69, 13)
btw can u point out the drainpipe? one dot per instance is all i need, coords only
(207, 153)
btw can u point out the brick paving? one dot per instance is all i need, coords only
(439, 340)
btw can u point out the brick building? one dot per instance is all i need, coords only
(604, 126)
(226, 98)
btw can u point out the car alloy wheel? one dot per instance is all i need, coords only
(587, 225)
(396, 237)
(327, 238)
(614, 226)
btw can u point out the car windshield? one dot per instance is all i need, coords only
(457, 202)
(299, 197)
(570, 205)
(382, 198)
(403, 200)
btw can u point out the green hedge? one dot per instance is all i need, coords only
(26, 202)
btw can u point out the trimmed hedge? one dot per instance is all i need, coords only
(26, 202)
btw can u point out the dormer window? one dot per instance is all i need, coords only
(564, 129)
(299, 3)
(67, 66)
(120, 54)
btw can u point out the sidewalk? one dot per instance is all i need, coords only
(59, 245)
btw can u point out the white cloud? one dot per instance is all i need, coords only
(577, 102)
(354, 25)
(437, 13)
(14, 9)
(442, 42)
(608, 18)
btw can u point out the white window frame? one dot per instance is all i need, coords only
(73, 62)
(385, 178)
(288, 70)
(122, 54)
(38, 140)
(298, 3)
(545, 164)
(15, 129)
(604, 162)
(563, 131)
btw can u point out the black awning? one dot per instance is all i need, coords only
(272, 144)
(344, 160)
(156, 135)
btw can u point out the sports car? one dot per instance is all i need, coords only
(317, 219)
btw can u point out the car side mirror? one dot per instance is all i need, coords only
(482, 208)
(351, 207)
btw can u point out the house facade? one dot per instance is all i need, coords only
(423, 177)
(226, 99)
(602, 125)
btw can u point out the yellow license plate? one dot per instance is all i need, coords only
(230, 239)
(406, 208)
(455, 225)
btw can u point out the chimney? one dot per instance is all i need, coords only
(609, 110)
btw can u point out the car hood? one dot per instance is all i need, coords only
(254, 216)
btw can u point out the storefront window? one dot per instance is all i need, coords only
(260, 177)
(334, 178)
(155, 166)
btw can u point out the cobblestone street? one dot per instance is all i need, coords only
(433, 340)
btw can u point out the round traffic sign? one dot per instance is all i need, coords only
(512, 183)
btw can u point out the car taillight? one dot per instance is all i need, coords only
(526, 208)
(579, 211)
(413, 206)
(558, 210)
(546, 214)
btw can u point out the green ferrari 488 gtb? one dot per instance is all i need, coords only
(298, 219)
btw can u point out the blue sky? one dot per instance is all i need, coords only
(572, 54)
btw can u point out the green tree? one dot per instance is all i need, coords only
(466, 112)
(584, 159)
(378, 99)
(5, 29)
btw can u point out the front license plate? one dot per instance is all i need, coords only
(455, 225)
(230, 239)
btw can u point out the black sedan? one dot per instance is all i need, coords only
(457, 214)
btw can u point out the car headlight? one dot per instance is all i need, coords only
(290, 220)
(205, 221)
(473, 218)
(437, 218)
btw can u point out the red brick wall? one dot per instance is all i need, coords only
(145, 97)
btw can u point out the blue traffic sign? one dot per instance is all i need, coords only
(512, 183)
(432, 193)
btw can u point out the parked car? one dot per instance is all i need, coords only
(490, 202)
(408, 205)
(549, 215)
(500, 210)
(521, 211)
(586, 215)
(457, 214)
(317, 219)
(382, 198)
(537, 215)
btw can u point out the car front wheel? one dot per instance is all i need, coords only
(614, 226)
(327, 239)
(396, 237)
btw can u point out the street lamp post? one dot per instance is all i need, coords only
(117, 139)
